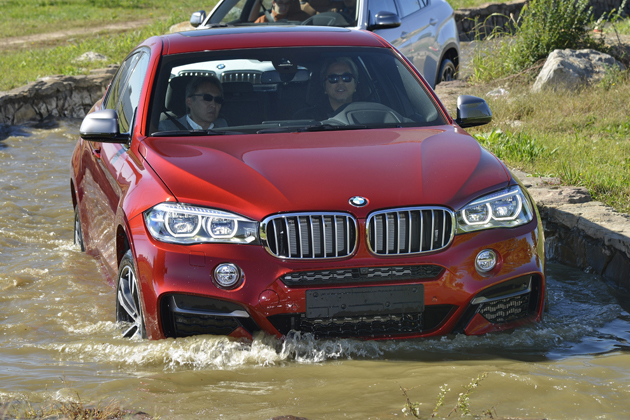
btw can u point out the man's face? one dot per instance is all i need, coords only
(201, 111)
(281, 7)
(340, 92)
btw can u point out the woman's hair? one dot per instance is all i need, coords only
(342, 60)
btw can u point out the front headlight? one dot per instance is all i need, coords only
(505, 208)
(185, 224)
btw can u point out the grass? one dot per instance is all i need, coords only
(67, 410)
(583, 137)
(461, 406)
(28, 17)
(24, 66)
(460, 4)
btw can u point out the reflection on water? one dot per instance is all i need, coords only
(57, 335)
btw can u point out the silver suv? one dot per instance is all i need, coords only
(423, 30)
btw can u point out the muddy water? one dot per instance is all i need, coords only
(57, 338)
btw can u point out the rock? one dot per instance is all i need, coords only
(90, 57)
(181, 27)
(498, 93)
(59, 96)
(572, 69)
(558, 196)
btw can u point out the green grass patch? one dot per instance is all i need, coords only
(27, 17)
(21, 67)
(543, 26)
(583, 138)
(460, 4)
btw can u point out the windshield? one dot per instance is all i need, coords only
(279, 12)
(288, 89)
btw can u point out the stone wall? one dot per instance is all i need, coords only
(580, 232)
(475, 22)
(57, 96)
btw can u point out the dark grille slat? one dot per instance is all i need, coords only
(362, 275)
(310, 236)
(410, 231)
(310, 218)
(421, 231)
(401, 235)
(286, 225)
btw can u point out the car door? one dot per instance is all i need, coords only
(419, 31)
(108, 172)
(392, 35)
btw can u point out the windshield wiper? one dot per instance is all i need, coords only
(186, 133)
(314, 127)
(216, 25)
(332, 127)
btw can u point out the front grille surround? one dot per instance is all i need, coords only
(309, 236)
(410, 230)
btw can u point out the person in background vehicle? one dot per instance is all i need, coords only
(339, 78)
(313, 7)
(280, 9)
(204, 97)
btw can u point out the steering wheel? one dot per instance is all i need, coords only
(328, 19)
(367, 113)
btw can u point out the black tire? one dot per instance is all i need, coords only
(128, 304)
(448, 71)
(78, 233)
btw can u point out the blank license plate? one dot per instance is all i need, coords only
(356, 301)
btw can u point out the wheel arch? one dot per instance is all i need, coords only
(452, 54)
(122, 243)
(73, 193)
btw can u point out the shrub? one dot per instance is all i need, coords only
(543, 26)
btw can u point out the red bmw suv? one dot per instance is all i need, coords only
(281, 179)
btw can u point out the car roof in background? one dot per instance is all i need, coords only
(266, 36)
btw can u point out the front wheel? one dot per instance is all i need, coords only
(447, 71)
(128, 307)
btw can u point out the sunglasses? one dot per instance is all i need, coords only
(209, 98)
(334, 78)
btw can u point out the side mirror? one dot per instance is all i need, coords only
(385, 20)
(197, 18)
(472, 111)
(102, 126)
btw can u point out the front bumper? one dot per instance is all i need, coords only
(180, 297)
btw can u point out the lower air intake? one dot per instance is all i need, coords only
(506, 310)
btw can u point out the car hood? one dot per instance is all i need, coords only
(258, 175)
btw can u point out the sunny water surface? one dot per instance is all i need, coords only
(57, 337)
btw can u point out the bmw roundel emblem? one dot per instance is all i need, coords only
(358, 201)
(221, 66)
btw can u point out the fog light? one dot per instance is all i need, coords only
(227, 275)
(486, 260)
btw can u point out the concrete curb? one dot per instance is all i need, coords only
(579, 232)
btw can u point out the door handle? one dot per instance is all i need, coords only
(403, 34)
(96, 153)
(433, 21)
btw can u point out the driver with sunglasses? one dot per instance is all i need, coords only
(204, 97)
(339, 78)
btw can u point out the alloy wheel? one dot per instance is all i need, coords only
(128, 303)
